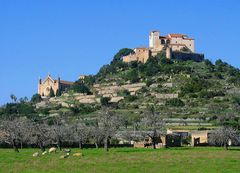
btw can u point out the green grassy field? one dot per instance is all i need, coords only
(123, 160)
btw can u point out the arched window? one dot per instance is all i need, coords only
(162, 41)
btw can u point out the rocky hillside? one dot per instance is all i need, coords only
(178, 89)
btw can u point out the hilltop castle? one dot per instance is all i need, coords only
(169, 43)
(176, 46)
(49, 83)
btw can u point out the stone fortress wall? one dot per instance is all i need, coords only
(173, 44)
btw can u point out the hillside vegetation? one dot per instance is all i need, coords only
(184, 92)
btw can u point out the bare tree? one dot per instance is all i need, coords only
(12, 132)
(59, 131)
(97, 134)
(23, 135)
(129, 135)
(81, 133)
(224, 136)
(152, 125)
(38, 134)
(108, 123)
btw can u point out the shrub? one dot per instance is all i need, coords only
(80, 87)
(236, 100)
(44, 111)
(51, 93)
(105, 101)
(58, 93)
(132, 75)
(208, 63)
(131, 98)
(175, 102)
(36, 98)
(234, 80)
(83, 109)
(210, 94)
(149, 82)
(195, 85)
(120, 54)
(89, 80)
(124, 93)
(218, 75)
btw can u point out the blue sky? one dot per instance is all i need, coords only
(69, 38)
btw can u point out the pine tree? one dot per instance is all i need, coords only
(51, 93)
(58, 93)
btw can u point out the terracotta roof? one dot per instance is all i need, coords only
(141, 48)
(176, 35)
(188, 38)
(66, 82)
(177, 44)
(163, 37)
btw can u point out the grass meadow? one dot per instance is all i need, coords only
(122, 160)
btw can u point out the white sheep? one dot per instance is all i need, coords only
(53, 149)
(44, 153)
(67, 150)
(64, 156)
(36, 154)
(77, 154)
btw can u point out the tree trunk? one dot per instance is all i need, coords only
(80, 144)
(226, 146)
(154, 142)
(15, 145)
(42, 148)
(96, 145)
(154, 138)
(59, 144)
(106, 144)
(21, 145)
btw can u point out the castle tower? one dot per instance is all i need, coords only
(39, 85)
(39, 81)
(169, 52)
(154, 41)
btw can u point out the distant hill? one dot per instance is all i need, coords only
(177, 88)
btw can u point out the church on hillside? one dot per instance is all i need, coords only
(57, 85)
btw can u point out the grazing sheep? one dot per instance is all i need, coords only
(36, 154)
(64, 156)
(53, 149)
(44, 153)
(67, 150)
(77, 154)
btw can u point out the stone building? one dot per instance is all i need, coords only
(140, 54)
(157, 43)
(167, 140)
(175, 41)
(200, 138)
(82, 77)
(45, 86)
